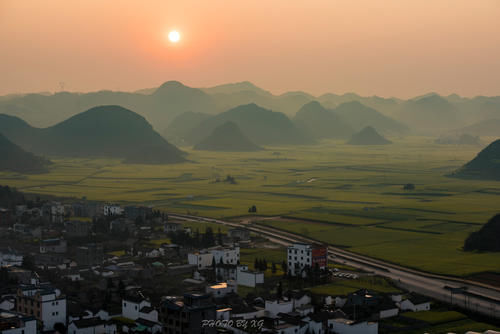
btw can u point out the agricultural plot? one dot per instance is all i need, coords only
(352, 195)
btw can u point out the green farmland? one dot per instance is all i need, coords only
(353, 194)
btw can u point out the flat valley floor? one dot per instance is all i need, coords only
(352, 196)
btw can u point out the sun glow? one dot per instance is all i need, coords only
(174, 36)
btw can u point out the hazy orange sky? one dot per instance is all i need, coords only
(390, 48)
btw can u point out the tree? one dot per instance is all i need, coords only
(256, 264)
(219, 237)
(279, 291)
(284, 267)
(273, 268)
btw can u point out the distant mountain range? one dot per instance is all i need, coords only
(486, 165)
(15, 159)
(260, 125)
(318, 122)
(359, 116)
(488, 127)
(104, 131)
(227, 138)
(368, 136)
(426, 114)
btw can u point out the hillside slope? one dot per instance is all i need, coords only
(227, 138)
(318, 122)
(105, 131)
(486, 165)
(261, 126)
(14, 158)
(368, 136)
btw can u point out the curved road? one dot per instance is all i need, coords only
(474, 296)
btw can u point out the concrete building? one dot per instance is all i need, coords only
(137, 307)
(202, 260)
(345, 326)
(15, 323)
(302, 256)
(249, 278)
(90, 254)
(5, 216)
(226, 255)
(112, 210)
(43, 302)
(10, 257)
(78, 228)
(169, 227)
(186, 315)
(91, 326)
(415, 303)
(274, 307)
(239, 234)
(222, 289)
(58, 246)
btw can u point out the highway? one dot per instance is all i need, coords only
(474, 296)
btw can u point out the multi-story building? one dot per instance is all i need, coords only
(78, 228)
(15, 323)
(57, 245)
(187, 315)
(112, 210)
(90, 254)
(43, 302)
(202, 260)
(300, 257)
(10, 257)
(5, 216)
(226, 255)
(132, 212)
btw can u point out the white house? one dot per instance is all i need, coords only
(7, 303)
(222, 289)
(301, 256)
(344, 326)
(56, 245)
(415, 303)
(226, 255)
(112, 210)
(15, 323)
(202, 260)
(388, 310)
(91, 326)
(135, 307)
(249, 278)
(9, 257)
(43, 301)
(273, 307)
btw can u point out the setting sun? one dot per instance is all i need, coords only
(174, 36)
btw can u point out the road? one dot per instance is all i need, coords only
(474, 296)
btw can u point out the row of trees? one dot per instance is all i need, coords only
(197, 239)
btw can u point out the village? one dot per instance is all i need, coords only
(89, 268)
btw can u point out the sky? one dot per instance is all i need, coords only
(401, 48)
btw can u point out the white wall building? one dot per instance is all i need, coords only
(91, 326)
(9, 257)
(202, 260)
(222, 289)
(344, 326)
(15, 323)
(415, 304)
(226, 255)
(248, 278)
(135, 308)
(112, 210)
(44, 302)
(300, 256)
(273, 307)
